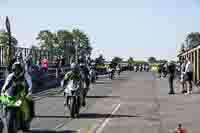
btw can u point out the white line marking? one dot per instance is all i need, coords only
(100, 129)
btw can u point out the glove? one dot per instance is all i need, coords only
(29, 93)
(3, 91)
(62, 84)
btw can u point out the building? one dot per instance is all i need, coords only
(194, 54)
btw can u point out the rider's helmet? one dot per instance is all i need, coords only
(81, 59)
(19, 56)
(17, 68)
(92, 65)
(82, 64)
(75, 67)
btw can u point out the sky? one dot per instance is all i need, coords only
(124, 28)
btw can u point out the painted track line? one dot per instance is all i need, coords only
(105, 122)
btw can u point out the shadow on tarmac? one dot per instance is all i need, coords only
(51, 116)
(98, 83)
(120, 78)
(48, 131)
(94, 116)
(54, 96)
(90, 116)
(103, 96)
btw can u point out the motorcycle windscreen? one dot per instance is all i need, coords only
(73, 85)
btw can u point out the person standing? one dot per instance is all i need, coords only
(159, 70)
(45, 64)
(188, 74)
(183, 76)
(39, 63)
(171, 70)
(62, 64)
(57, 63)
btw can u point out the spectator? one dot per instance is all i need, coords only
(39, 64)
(29, 64)
(180, 129)
(183, 76)
(62, 64)
(45, 64)
(188, 74)
(159, 70)
(164, 69)
(57, 65)
(171, 70)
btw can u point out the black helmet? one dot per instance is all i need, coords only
(74, 67)
(17, 68)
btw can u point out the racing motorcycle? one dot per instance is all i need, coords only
(93, 76)
(16, 111)
(73, 97)
(112, 74)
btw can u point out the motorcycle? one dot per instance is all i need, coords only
(16, 114)
(118, 71)
(73, 97)
(112, 74)
(93, 76)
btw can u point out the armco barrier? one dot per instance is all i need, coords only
(43, 81)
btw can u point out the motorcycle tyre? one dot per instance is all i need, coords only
(77, 111)
(25, 125)
(72, 107)
(11, 121)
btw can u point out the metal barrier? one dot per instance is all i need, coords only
(36, 54)
(3, 72)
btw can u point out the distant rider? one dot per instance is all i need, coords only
(74, 74)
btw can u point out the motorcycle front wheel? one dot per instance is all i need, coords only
(72, 106)
(25, 125)
(11, 121)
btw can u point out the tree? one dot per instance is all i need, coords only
(100, 60)
(152, 60)
(46, 39)
(193, 39)
(140, 62)
(4, 39)
(63, 37)
(161, 61)
(130, 61)
(182, 47)
(116, 60)
(34, 47)
(84, 43)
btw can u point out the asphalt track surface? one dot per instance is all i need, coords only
(135, 102)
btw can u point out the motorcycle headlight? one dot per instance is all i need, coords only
(18, 103)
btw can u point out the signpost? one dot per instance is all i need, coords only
(10, 39)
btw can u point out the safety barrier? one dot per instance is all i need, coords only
(36, 54)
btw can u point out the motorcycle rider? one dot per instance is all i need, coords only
(74, 74)
(18, 57)
(111, 72)
(15, 79)
(93, 72)
(118, 69)
(85, 74)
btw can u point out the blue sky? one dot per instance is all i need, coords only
(122, 28)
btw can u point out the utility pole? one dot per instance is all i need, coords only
(10, 39)
(76, 56)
